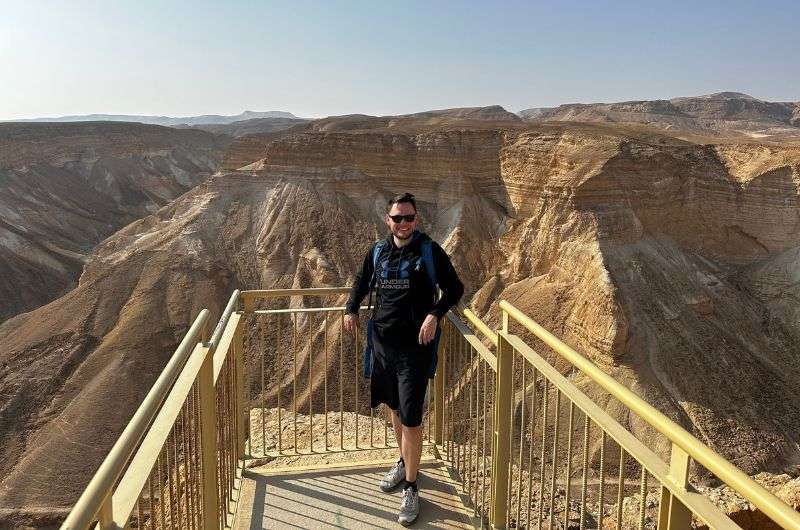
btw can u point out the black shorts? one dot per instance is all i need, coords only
(401, 387)
(400, 378)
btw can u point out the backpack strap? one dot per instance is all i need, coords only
(427, 259)
(376, 253)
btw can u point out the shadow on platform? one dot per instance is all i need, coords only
(345, 497)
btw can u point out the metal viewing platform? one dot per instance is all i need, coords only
(265, 423)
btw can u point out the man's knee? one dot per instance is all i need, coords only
(413, 431)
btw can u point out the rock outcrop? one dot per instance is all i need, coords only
(66, 187)
(670, 264)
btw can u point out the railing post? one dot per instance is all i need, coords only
(242, 422)
(208, 441)
(501, 439)
(438, 388)
(672, 514)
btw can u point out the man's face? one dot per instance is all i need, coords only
(404, 229)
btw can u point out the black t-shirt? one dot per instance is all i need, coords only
(403, 294)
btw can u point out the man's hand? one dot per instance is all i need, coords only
(351, 323)
(428, 329)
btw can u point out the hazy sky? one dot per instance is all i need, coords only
(379, 57)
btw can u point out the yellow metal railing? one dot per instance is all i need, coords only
(678, 502)
(529, 448)
(307, 390)
(177, 462)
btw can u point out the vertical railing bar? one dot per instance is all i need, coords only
(173, 487)
(218, 459)
(265, 344)
(483, 448)
(186, 465)
(190, 453)
(294, 378)
(226, 437)
(446, 393)
(177, 501)
(223, 457)
(514, 356)
(620, 486)
(568, 475)
(310, 391)
(585, 470)
(531, 444)
(601, 493)
(161, 485)
(473, 435)
(427, 423)
(152, 496)
(341, 382)
(554, 464)
(139, 511)
(452, 404)
(357, 381)
(183, 444)
(478, 411)
(466, 408)
(446, 398)
(643, 497)
(460, 384)
(325, 370)
(198, 457)
(521, 441)
(371, 426)
(278, 384)
(233, 439)
(543, 452)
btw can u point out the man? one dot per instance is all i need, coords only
(405, 322)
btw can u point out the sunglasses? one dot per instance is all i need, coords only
(397, 218)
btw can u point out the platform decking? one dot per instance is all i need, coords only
(345, 497)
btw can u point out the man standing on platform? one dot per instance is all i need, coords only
(405, 270)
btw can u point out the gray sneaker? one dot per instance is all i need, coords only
(394, 477)
(409, 507)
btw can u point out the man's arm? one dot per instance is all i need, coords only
(361, 285)
(450, 284)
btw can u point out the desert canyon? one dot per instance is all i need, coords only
(659, 238)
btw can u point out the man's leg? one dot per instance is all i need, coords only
(412, 450)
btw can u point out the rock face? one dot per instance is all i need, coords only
(250, 148)
(66, 187)
(671, 264)
(729, 113)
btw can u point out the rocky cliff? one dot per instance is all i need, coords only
(66, 187)
(671, 264)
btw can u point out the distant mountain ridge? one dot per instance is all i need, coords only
(245, 127)
(168, 121)
(722, 112)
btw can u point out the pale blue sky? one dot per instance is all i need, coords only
(327, 58)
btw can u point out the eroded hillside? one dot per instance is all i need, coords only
(670, 264)
(66, 187)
